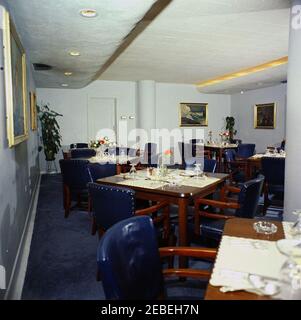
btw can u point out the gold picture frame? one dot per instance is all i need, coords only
(15, 84)
(33, 111)
(193, 114)
(265, 116)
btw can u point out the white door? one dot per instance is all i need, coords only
(101, 118)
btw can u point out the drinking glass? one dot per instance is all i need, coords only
(198, 170)
(295, 230)
(133, 170)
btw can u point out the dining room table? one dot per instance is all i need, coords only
(179, 187)
(236, 249)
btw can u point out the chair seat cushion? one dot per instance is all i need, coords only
(212, 228)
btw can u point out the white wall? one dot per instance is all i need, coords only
(18, 177)
(73, 104)
(169, 96)
(242, 109)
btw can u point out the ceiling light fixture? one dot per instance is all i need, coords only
(88, 13)
(241, 92)
(244, 72)
(68, 73)
(74, 53)
(65, 85)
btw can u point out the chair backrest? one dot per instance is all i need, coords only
(237, 141)
(209, 165)
(245, 150)
(76, 174)
(282, 146)
(79, 145)
(111, 204)
(129, 262)
(229, 155)
(99, 170)
(150, 151)
(273, 169)
(248, 198)
(195, 140)
(82, 153)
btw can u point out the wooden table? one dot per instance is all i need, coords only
(219, 150)
(181, 196)
(239, 227)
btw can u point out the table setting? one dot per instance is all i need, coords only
(263, 267)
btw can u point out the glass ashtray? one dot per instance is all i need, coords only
(265, 227)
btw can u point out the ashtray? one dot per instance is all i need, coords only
(265, 227)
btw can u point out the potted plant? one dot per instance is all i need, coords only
(50, 132)
(230, 123)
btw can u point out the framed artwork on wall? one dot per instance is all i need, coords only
(265, 116)
(193, 114)
(15, 84)
(33, 111)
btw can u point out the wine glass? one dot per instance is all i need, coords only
(133, 170)
(198, 170)
(295, 230)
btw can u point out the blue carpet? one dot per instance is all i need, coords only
(62, 259)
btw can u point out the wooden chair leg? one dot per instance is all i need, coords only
(94, 226)
(67, 200)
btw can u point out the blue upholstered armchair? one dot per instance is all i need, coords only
(236, 168)
(98, 170)
(82, 153)
(211, 224)
(245, 150)
(274, 171)
(79, 145)
(130, 262)
(111, 204)
(76, 176)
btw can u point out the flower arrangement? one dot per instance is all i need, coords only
(100, 142)
(224, 134)
(168, 153)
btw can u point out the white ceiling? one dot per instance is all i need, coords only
(49, 29)
(196, 40)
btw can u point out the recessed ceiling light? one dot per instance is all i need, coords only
(65, 85)
(74, 53)
(241, 92)
(68, 73)
(88, 13)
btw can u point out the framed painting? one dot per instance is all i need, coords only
(193, 115)
(33, 111)
(265, 116)
(15, 84)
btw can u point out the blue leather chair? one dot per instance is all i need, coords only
(76, 176)
(237, 169)
(82, 153)
(274, 171)
(210, 225)
(237, 141)
(282, 146)
(99, 171)
(112, 204)
(79, 145)
(150, 154)
(130, 262)
(245, 150)
(209, 165)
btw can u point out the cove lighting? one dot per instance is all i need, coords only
(244, 72)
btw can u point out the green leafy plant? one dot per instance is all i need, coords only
(50, 132)
(230, 123)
